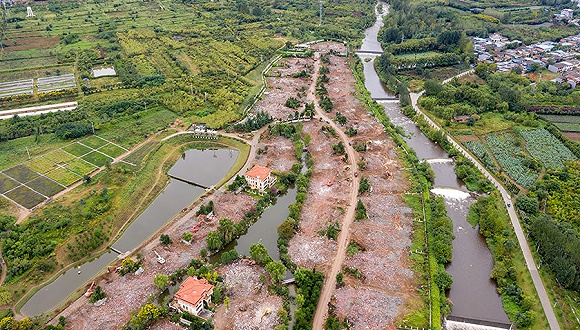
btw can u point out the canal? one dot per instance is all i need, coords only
(474, 293)
(205, 167)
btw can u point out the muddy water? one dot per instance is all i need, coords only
(207, 166)
(473, 292)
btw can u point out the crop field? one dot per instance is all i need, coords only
(112, 150)
(7, 183)
(94, 142)
(33, 181)
(565, 123)
(41, 165)
(64, 176)
(18, 87)
(59, 156)
(77, 149)
(509, 157)
(568, 127)
(56, 83)
(546, 148)
(80, 166)
(482, 153)
(25, 197)
(97, 158)
(45, 186)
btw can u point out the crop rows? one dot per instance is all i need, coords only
(16, 87)
(56, 83)
(482, 153)
(510, 159)
(546, 148)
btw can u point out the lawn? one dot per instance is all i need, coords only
(59, 156)
(7, 183)
(21, 173)
(80, 167)
(41, 165)
(488, 123)
(63, 176)
(112, 150)
(25, 197)
(94, 142)
(45, 186)
(97, 158)
(77, 149)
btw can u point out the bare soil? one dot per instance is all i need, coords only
(378, 298)
(574, 136)
(277, 153)
(251, 305)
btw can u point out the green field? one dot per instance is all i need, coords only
(63, 176)
(80, 167)
(41, 165)
(510, 158)
(546, 148)
(45, 186)
(77, 149)
(562, 119)
(93, 141)
(21, 173)
(25, 197)
(7, 183)
(59, 156)
(97, 158)
(568, 127)
(112, 150)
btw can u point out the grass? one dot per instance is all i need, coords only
(488, 123)
(64, 176)
(77, 149)
(112, 150)
(7, 183)
(418, 55)
(21, 173)
(568, 127)
(41, 165)
(97, 158)
(25, 197)
(14, 152)
(80, 167)
(94, 142)
(45, 186)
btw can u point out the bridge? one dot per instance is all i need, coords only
(187, 181)
(484, 324)
(287, 281)
(390, 98)
(369, 52)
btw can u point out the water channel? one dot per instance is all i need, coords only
(206, 167)
(473, 293)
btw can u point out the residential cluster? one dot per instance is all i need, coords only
(558, 57)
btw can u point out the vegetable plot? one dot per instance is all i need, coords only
(511, 158)
(546, 148)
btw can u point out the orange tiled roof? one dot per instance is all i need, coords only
(193, 290)
(259, 172)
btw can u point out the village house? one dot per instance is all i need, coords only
(192, 294)
(260, 178)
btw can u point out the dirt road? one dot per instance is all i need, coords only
(342, 240)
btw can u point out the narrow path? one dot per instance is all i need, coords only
(544, 299)
(342, 239)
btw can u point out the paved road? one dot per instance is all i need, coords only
(342, 239)
(544, 299)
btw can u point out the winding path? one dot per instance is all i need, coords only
(342, 239)
(544, 299)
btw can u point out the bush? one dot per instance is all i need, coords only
(69, 131)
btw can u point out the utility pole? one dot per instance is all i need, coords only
(28, 152)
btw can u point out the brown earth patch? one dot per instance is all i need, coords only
(32, 43)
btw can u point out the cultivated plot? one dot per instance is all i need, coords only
(56, 83)
(32, 182)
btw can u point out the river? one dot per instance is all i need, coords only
(473, 293)
(205, 167)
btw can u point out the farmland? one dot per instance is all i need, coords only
(510, 158)
(31, 183)
(564, 123)
(546, 148)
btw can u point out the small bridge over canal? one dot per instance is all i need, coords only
(187, 181)
(287, 281)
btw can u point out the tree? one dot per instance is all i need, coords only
(227, 230)
(259, 254)
(527, 204)
(277, 270)
(165, 239)
(214, 241)
(161, 281)
(97, 295)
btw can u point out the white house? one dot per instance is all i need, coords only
(260, 178)
(567, 13)
(192, 294)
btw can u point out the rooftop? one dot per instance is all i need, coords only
(193, 290)
(259, 172)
